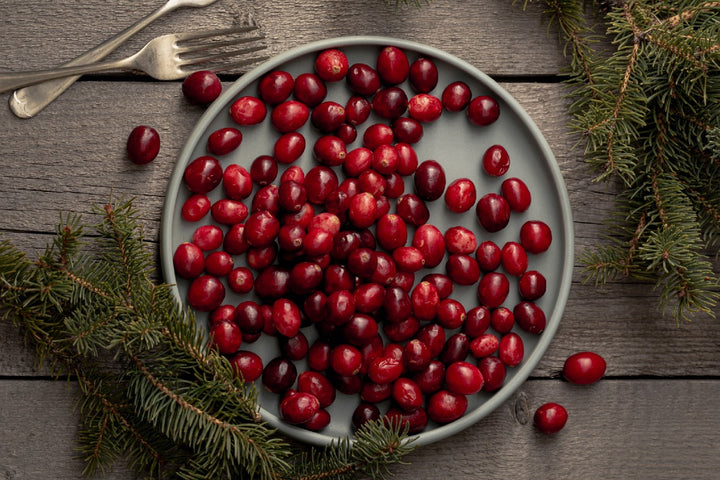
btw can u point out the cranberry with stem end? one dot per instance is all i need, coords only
(263, 170)
(331, 65)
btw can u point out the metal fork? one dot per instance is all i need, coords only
(169, 57)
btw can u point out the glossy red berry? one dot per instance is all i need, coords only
(423, 75)
(445, 406)
(550, 417)
(517, 194)
(226, 337)
(496, 161)
(276, 86)
(535, 236)
(511, 349)
(143, 145)
(392, 65)
(298, 408)
(493, 212)
(463, 378)
(460, 195)
(247, 365)
(331, 65)
(201, 87)
(492, 290)
(584, 368)
(530, 317)
(494, 371)
(224, 140)
(203, 174)
(188, 260)
(248, 110)
(205, 293)
(483, 110)
(429, 179)
(456, 96)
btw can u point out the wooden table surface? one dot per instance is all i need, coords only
(654, 415)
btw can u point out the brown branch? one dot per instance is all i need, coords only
(686, 15)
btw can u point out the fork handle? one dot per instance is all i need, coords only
(27, 102)
(13, 80)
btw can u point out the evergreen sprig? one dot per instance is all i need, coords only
(648, 112)
(152, 390)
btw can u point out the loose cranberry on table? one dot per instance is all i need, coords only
(201, 87)
(143, 145)
(584, 368)
(550, 417)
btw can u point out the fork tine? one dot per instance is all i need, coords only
(185, 50)
(188, 36)
(219, 56)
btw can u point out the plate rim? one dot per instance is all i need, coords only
(558, 308)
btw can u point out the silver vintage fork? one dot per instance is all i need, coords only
(169, 57)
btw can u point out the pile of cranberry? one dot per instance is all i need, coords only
(337, 248)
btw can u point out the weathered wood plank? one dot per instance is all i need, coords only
(617, 429)
(39, 32)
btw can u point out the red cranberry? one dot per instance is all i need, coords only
(363, 413)
(407, 395)
(459, 239)
(362, 79)
(443, 283)
(286, 317)
(340, 307)
(295, 347)
(530, 317)
(493, 288)
(369, 297)
(289, 147)
(266, 199)
(207, 237)
(455, 349)
(385, 369)
(143, 145)
(408, 259)
(408, 160)
(424, 107)
(389, 103)
(514, 259)
(385, 159)
(309, 89)
(377, 134)
(218, 263)
(517, 194)
(299, 408)
(188, 260)
(394, 186)
(248, 316)
(279, 375)
(289, 116)
(445, 406)
(375, 392)
(450, 313)
(392, 65)
(228, 212)
(391, 232)
(462, 269)
(425, 301)
(317, 422)
(550, 417)
(362, 210)
(259, 258)
(385, 270)
(345, 360)
(203, 174)
(201, 87)
(331, 65)
(320, 181)
(205, 293)
(372, 182)
(483, 110)
(429, 180)
(493, 371)
(496, 161)
(226, 337)
(493, 212)
(237, 182)
(272, 283)
(328, 116)
(318, 356)
(456, 96)
(403, 330)
(264, 170)
(460, 195)
(234, 242)
(463, 378)
(318, 385)
(511, 349)
(329, 150)
(488, 256)
(261, 228)
(347, 384)
(224, 140)
(396, 304)
(416, 355)
(532, 285)
(502, 319)
(430, 241)
(431, 378)
(477, 321)
(248, 110)
(195, 207)
(275, 87)
(247, 365)
(423, 75)
(407, 130)
(416, 421)
(484, 345)
(535, 236)
(584, 368)
(360, 330)
(357, 110)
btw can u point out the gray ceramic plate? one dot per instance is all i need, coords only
(458, 146)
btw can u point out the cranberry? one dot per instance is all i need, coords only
(492, 290)
(463, 378)
(456, 96)
(423, 75)
(483, 110)
(385, 159)
(391, 232)
(372, 182)
(502, 319)
(360, 330)
(363, 413)
(195, 207)
(309, 89)
(330, 151)
(291, 196)
(237, 182)
(496, 161)
(234, 242)
(584, 368)
(494, 372)
(392, 65)
(203, 174)
(375, 392)
(347, 384)
(407, 159)
(272, 283)
(511, 349)
(320, 181)
(331, 65)
(357, 110)
(207, 237)
(295, 347)
(430, 241)
(488, 256)
(443, 283)
(416, 421)
(550, 417)
(261, 228)
(305, 277)
(477, 321)
(317, 422)
(407, 130)
(363, 79)
(347, 133)
(328, 116)
(416, 355)
(407, 395)
(385, 369)
(385, 270)
(431, 378)
(403, 330)
(530, 317)
(484, 345)
(408, 259)
(396, 304)
(362, 210)
(535, 236)
(429, 180)
(460, 195)
(286, 317)
(369, 297)
(517, 194)
(226, 337)
(462, 269)
(289, 116)
(493, 212)
(455, 349)
(532, 285)
(514, 259)
(424, 107)
(298, 408)
(263, 170)
(425, 301)
(275, 87)
(266, 199)
(389, 103)
(289, 147)
(205, 293)
(143, 145)
(318, 356)
(218, 263)
(450, 313)
(459, 239)
(394, 185)
(345, 360)
(279, 375)
(377, 134)
(445, 406)
(318, 385)
(259, 258)
(201, 87)
(228, 212)
(188, 260)
(224, 140)
(248, 110)
(247, 365)
(248, 316)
